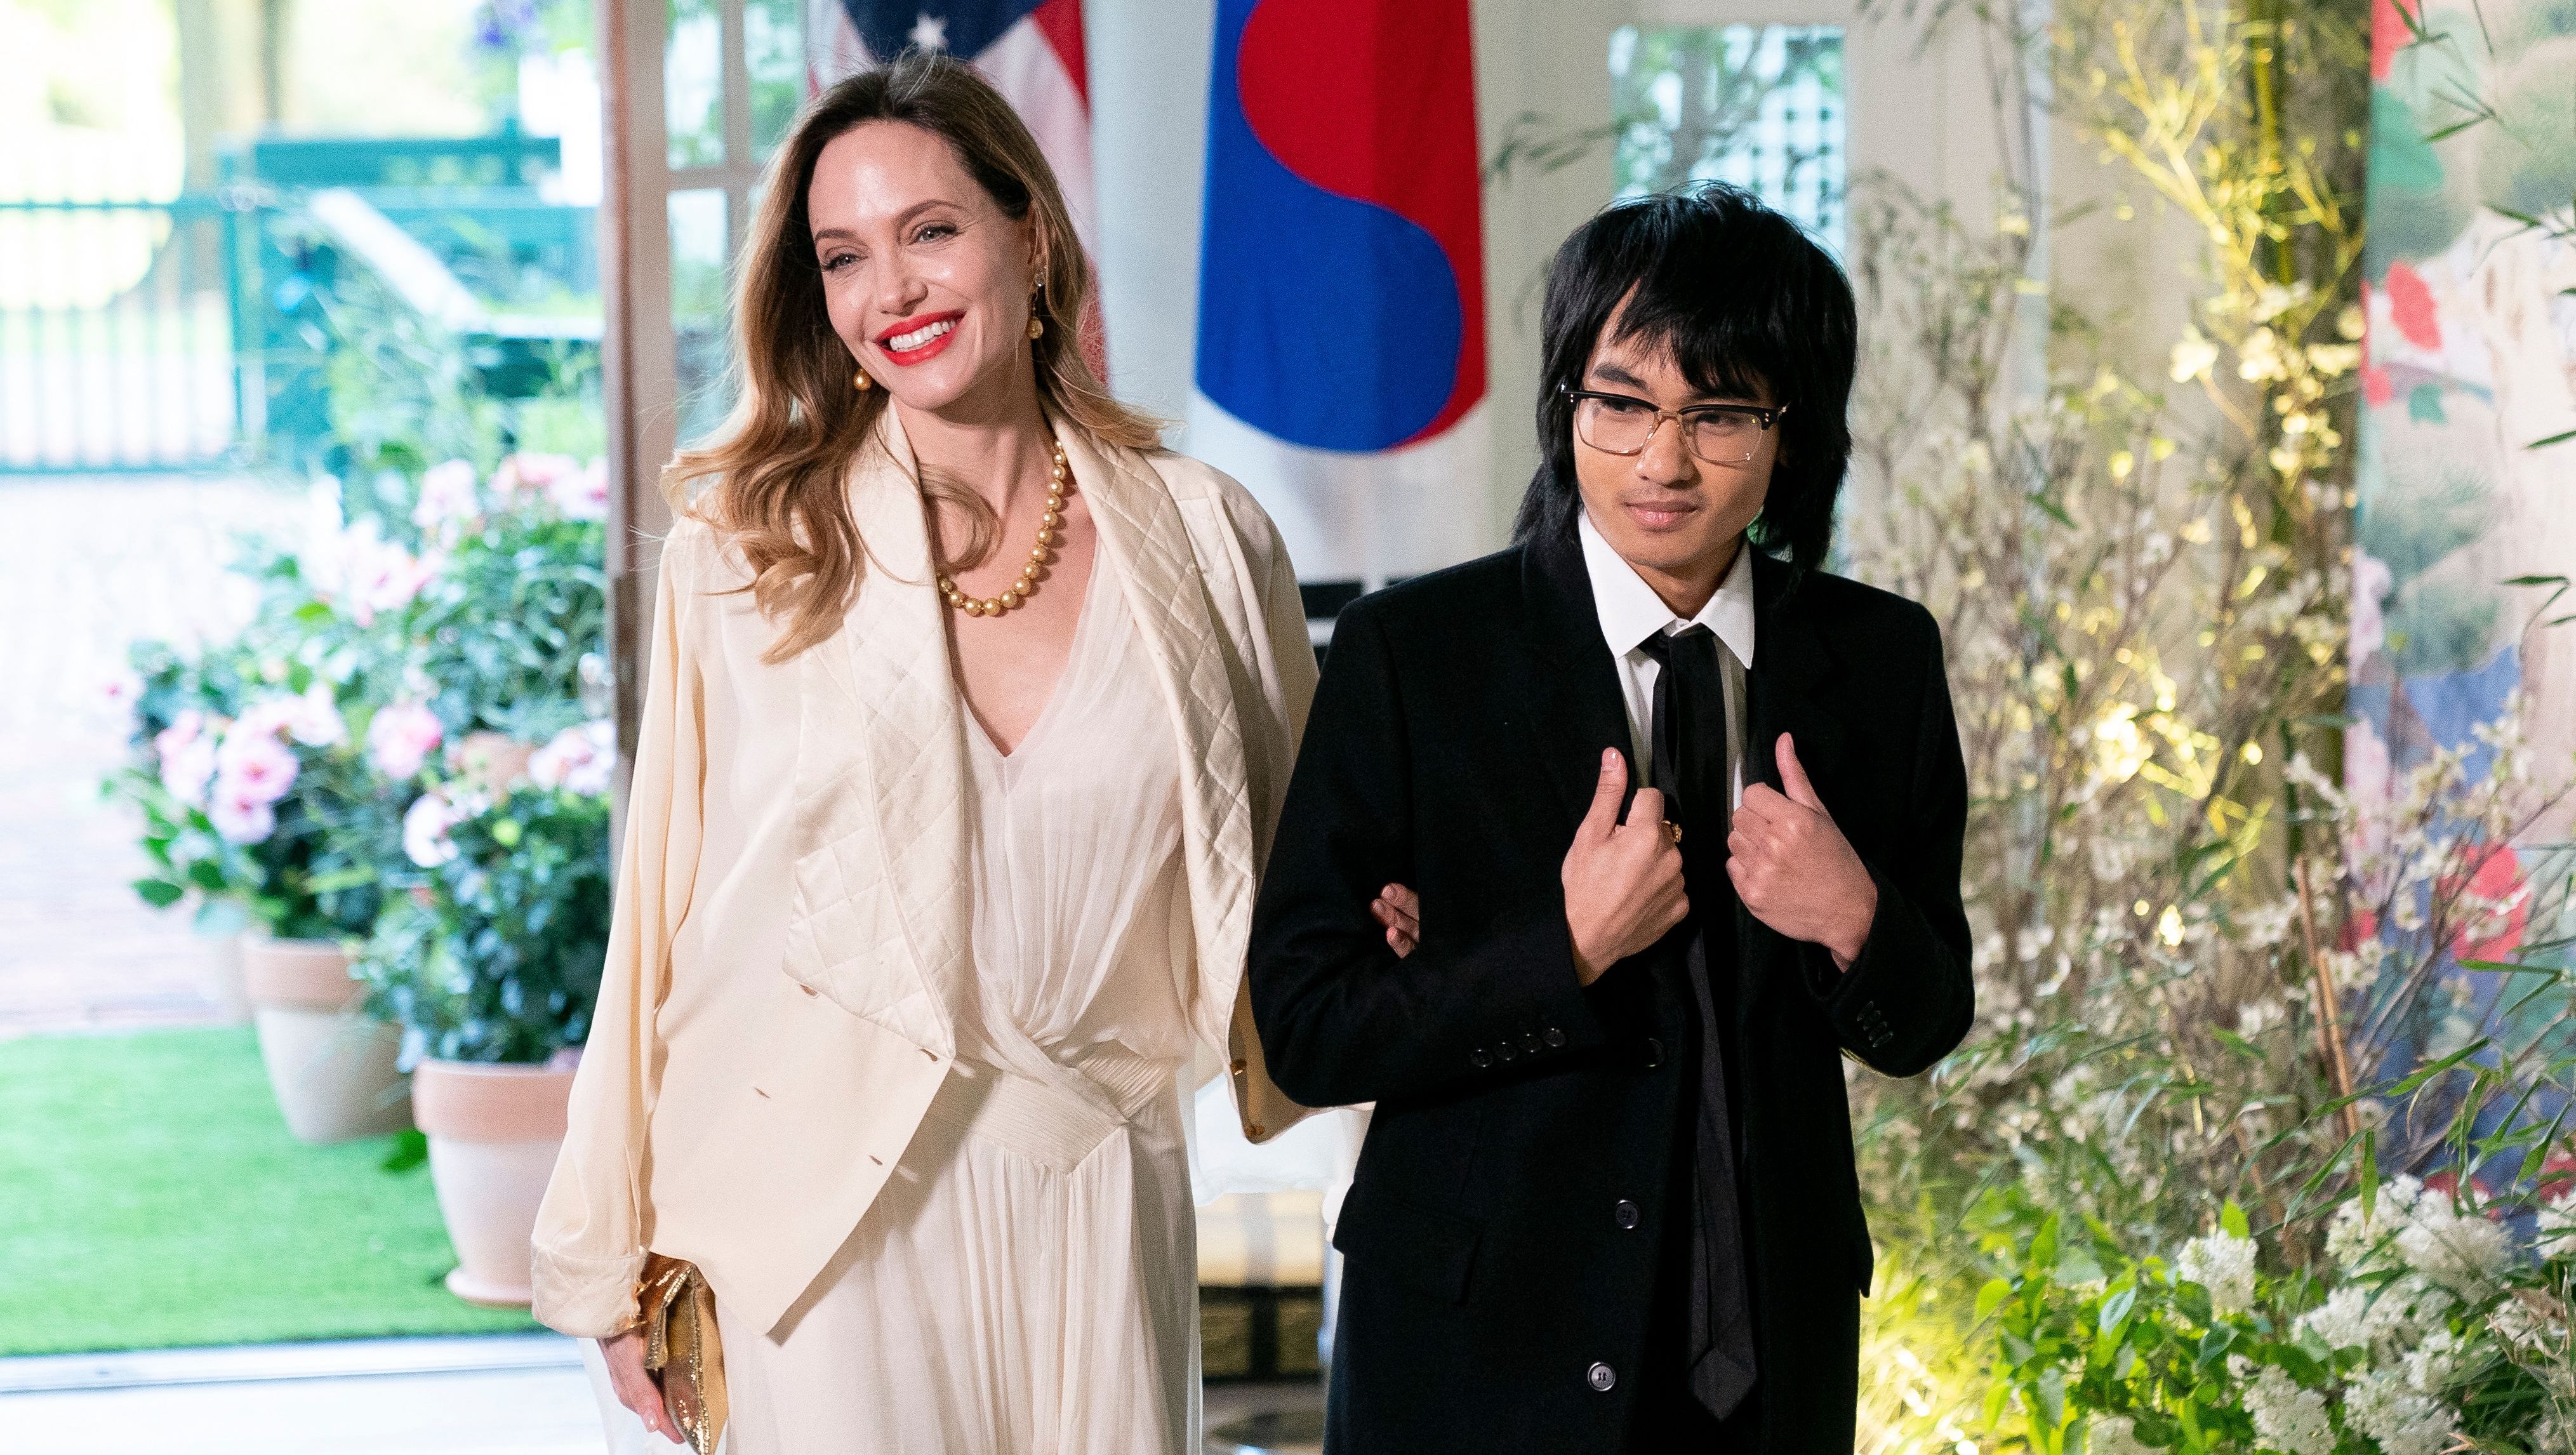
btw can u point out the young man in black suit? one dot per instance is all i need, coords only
(1607, 1200)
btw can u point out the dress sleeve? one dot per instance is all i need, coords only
(593, 1227)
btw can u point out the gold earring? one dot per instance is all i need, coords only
(862, 381)
(1037, 326)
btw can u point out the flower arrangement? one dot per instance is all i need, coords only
(492, 948)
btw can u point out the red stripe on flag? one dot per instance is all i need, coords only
(1060, 21)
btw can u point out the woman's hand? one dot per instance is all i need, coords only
(636, 1387)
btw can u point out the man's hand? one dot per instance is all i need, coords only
(636, 1387)
(1623, 882)
(1794, 870)
(1399, 909)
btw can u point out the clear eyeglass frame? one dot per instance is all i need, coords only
(1730, 444)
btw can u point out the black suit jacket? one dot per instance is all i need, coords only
(1503, 1233)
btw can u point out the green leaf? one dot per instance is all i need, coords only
(160, 893)
(207, 875)
(505, 832)
(2052, 1398)
(1991, 1297)
(2556, 439)
(2214, 1344)
(410, 1149)
(2231, 1218)
(2116, 1306)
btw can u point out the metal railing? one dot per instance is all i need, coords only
(117, 334)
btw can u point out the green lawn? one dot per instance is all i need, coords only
(150, 1197)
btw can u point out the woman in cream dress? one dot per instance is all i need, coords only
(968, 717)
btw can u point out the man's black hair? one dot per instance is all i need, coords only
(1741, 297)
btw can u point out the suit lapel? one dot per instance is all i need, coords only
(876, 920)
(1146, 540)
(1577, 708)
(1791, 667)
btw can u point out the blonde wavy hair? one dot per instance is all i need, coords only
(778, 465)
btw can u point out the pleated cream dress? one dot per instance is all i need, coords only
(1026, 1283)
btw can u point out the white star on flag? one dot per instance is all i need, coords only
(930, 32)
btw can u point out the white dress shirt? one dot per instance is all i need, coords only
(1631, 612)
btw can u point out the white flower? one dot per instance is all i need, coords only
(2431, 1364)
(2403, 1422)
(2193, 356)
(425, 830)
(311, 718)
(255, 766)
(2457, 1250)
(314, 720)
(2287, 1418)
(447, 496)
(239, 815)
(2343, 1321)
(2222, 1263)
(2113, 1435)
(578, 760)
(400, 739)
(581, 494)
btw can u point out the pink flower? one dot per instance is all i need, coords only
(239, 815)
(121, 689)
(187, 766)
(253, 765)
(582, 494)
(532, 472)
(579, 760)
(447, 496)
(425, 830)
(314, 719)
(400, 739)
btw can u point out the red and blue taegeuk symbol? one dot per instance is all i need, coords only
(1341, 279)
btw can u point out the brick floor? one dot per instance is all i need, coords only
(86, 564)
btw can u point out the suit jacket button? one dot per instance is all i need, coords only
(1554, 1037)
(1626, 1214)
(1481, 1057)
(1532, 1041)
(1601, 1377)
(1504, 1049)
(1654, 1053)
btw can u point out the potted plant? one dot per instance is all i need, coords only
(489, 958)
(257, 798)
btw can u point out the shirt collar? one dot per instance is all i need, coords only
(1631, 611)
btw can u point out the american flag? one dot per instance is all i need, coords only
(1031, 52)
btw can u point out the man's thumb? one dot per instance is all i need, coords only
(1603, 816)
(1793, 778)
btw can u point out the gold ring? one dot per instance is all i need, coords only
(1672, 833)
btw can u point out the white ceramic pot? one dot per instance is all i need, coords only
(220, 977)
(331, 1068)
(493, 1134)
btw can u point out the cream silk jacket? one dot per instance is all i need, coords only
(790, 936)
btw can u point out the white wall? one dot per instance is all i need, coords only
(1921, 113)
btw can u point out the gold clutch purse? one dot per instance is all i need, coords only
(680, 1345)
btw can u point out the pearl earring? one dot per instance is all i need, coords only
(862, 381)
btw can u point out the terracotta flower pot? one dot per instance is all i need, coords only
(493, 1134)
(331, 1068)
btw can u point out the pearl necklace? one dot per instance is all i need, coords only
(1027, 586)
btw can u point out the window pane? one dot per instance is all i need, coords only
(1757, 105)
(693, 84)
(698, 309)
(773, 50)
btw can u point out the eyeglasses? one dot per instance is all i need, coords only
(1721, 434)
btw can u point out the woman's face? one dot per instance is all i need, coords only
(926, 278)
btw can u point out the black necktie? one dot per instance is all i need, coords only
(1690, 768)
